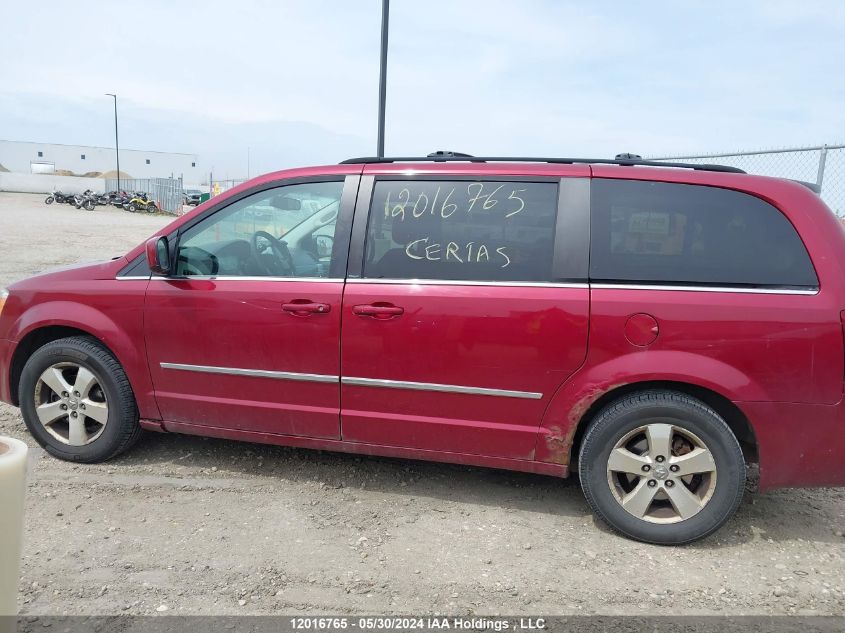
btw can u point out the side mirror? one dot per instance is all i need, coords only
(324, 245)
(158, 255)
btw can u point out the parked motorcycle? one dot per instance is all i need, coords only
(86, 199)
(141, 202)
(58, 196)
(119, 199)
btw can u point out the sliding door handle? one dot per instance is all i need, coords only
(378, 310)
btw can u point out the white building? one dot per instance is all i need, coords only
(49, 158)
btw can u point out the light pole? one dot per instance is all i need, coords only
(116, 145)
(382, 79)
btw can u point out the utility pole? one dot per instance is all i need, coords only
(247, 163)
(382, 81)
(116, 145)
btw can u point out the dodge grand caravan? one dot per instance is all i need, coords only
(655, 329)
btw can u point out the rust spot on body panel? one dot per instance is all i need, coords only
(557, 445)
(558, 441)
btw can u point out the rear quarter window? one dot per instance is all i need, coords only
(668, 233)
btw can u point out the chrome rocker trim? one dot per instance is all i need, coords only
(254, 373)
(358, 382)
(430, 386)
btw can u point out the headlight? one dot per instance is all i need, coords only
(4, 294)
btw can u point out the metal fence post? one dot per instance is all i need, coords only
(820, 165)
(822, 161)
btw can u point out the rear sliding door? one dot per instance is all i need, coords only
(466, 306)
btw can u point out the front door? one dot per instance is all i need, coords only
(246, 334)
(466, 309)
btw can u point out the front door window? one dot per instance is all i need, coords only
(280, 232)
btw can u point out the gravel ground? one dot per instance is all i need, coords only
(186, 525)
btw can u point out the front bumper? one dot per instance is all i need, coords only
(6, 350)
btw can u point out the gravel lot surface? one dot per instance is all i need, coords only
(185, 525)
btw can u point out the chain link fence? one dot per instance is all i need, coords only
(822, 165)
(219, 186)
(166, 192)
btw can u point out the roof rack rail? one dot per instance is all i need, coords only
(438, 157)
(812, 186)
(444, 153)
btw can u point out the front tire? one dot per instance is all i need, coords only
(130, 207)
(49, 200)
(77, 401)
(661, 467)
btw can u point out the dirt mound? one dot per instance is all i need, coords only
(92, 174)
(113, 174)
(3, 169)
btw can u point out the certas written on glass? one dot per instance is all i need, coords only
(464, 230)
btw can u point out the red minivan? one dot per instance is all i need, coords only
(654, 328)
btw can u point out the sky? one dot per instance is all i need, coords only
(296, 81)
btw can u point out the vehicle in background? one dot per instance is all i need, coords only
(191, 196)
(87, 200)
(140, 201)
(653, 327)
(119, 199)
(58, 196)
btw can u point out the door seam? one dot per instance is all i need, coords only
(342, 306)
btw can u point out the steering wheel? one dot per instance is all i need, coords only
(281, 263)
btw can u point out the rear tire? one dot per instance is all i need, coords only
(78, 377)
(130, 207)
(151, 207)
(661, 467)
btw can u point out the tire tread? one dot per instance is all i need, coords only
(127, 415)
(607, 416)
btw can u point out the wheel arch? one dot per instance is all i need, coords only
(52, 320)
(576, 401)
(122, 336)
(733, 416)
(35, 339)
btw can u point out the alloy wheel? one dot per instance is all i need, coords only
(71, 404)
(661, 473)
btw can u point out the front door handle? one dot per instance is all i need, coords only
(378, 310)
(305, 307)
